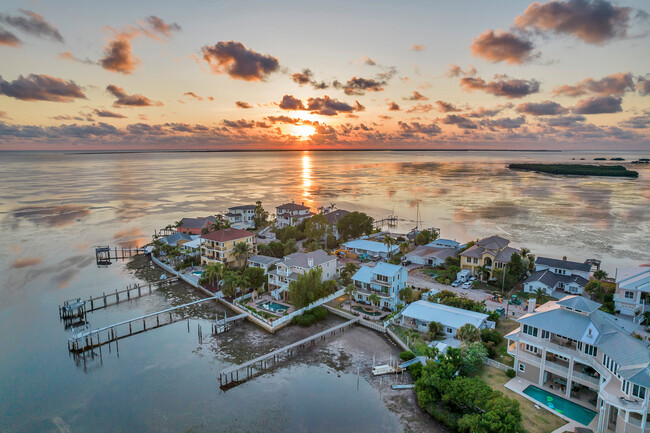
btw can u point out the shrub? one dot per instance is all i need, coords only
(511, 373)
(406, 355)
(310, 317)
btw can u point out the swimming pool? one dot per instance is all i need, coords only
(561, 405)
(197, 273)
(369, 313)
(273, 307)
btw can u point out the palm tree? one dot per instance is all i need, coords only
(241, 252)
(469, 332)
(374, 300)
(525, 252)
(404, 247)
(213, 272)
(230, 281)
(481, 271)
(389, 242)
(541, 296)
(435, 329)
(350, 290)
(600, 274)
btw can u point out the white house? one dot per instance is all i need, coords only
(419, 314)
(632, 294)
(552, 274)
(444, 243)
(429, 256)
(385, 280)
(241, 217)
(186, 242)
(290, 267)
(371, 248)
(291, 214)
(262, 262)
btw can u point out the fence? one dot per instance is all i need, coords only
(314, 304)
(496, 364)
(171, 270)
(372, 325)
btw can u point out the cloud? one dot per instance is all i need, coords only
(244, 105)
(289, 102)
(33, 24)
(422, 108)
(416, 96)
(502, 86)
(193, 95)
(638, 122)
(118, 55)
(359, 86)
(643, 86)
(286, 119)
(546, 108)
(392, 106)
(418, 48)
(447, 107)
(456, 71)
(503, 46)
(504, 122)
(157, 26)
(327, 106)
(594, 22)
(244, 124)
(67, 55)
(489, 112)
(41, 88)
(303, 77)
(106, 113)
(369, 62)
(460, 121)
(9, 39)
(615, 84)
(565, 121)
(418, 128)
(234, 59)
(599, 105)
(130, 100)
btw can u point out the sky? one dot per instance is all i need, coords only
(377, 74)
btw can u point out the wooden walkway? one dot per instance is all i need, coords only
(105, 255)
(84, 339)
(78, 307)
(224, 324)
(230, 377)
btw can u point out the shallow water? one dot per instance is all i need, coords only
(54, 208)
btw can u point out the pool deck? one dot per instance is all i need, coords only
(518, 384)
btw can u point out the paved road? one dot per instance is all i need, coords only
(416, 279)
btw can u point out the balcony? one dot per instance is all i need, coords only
(634, 422)
(381, 282)
(613, 395)
(370, 292)
(554, 367)
(530, 357)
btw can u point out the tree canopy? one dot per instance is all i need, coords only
(354, 225)
(308, 287)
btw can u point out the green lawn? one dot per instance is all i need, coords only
(505, 327)
(533, 419)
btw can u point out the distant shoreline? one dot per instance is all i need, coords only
(101, 152)
(577, 170)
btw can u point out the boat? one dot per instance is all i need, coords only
(385, 369)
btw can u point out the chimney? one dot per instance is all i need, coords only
(564, 258)
(531, 305)
(302, 203)
(310, 262)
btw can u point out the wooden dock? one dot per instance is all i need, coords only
(230, 377)
(104, 255)
(78, 307)
(224, 324)
(83, 339)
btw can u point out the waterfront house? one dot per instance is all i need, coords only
(443, 243)
(384, 279)
(573, 348)
(419, 314)
(563, 275)
(291, 214)
(241, 217)
(218, 246)
(429, 256)
(371, 248)
(333, 217)
(187, 243)
(632, 294)
(490, 253)
(262, 262)
(290, 267)
(195, 226)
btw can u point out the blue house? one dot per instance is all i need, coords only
(384, 279)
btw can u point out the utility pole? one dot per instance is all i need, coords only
(503, 284)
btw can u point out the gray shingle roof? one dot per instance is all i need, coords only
(243, 207)
(564, 264)
(263, 260)
(172, 239)
(493, 243)
(334, 216)
(302, 259)
(551, 279)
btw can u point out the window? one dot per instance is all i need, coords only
(625, 387)
(546, 334)
(530, 330)
(638, 391)
(590, 350)
(449, 331)
(522, 368)
(629, 295)
(530, 348)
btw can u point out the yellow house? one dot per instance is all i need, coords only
(491, 253)
(219, 246)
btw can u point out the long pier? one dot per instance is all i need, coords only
(104, 254)
(230, 377)
(85, 339)
(79, 308)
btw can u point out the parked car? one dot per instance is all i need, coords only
(467, 285)
(456, 283)
(472, 278)
(261, 236)
(500, 311)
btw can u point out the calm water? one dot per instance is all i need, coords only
(54, 208)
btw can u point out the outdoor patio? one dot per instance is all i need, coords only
(367, 312)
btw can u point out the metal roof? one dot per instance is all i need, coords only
(448, 316)
(564, 264)
(263, 260)
(375, 247)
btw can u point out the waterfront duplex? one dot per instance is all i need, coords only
(290, 267)
(219, 246)
(489, 253)
(384, 279)
(291, 214)
(241, 217)
(573, 348)
(552, 274)
(632, 294)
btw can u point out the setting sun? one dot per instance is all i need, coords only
(303, 131)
